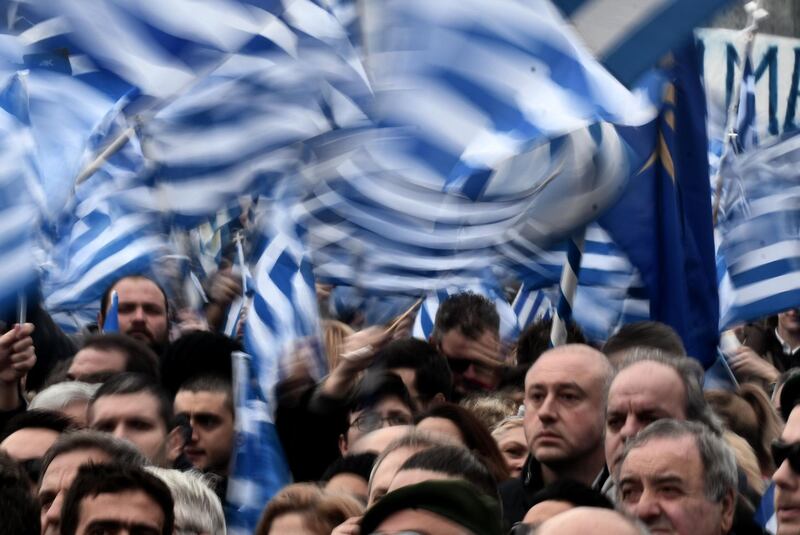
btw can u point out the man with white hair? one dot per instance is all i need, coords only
(70, 398)
(197, 508)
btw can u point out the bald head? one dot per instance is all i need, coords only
(587, 356)
(582, 520)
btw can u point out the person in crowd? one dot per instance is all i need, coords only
(135, 408)
(207, 402)
(70, 399)
(143, 310)
(451, 506)
(491, 408)
(650, 385)
(749, 413)
(564, 415)
(389, 462)
(769, 348)
(104, 355)
(583, 520)
(510, 437)
(198, 510)
(535, 340)
(117, 498)
(678, 477)
(562, 496)
(28, 436)
(197, 353)
(306, 508)
(60, 465)
(17, 357)
(466, 332)
(786, 453)
(381, 401)
(463, 427)
(350, 475)
(652, 334)
(423, 370)
(20, 509)
(445, 463)
(776, 393)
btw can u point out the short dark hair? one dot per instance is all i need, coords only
(135, 383)
(472, 314)
(20, 508)
(457, 462)
(535, 340)
(652, 334)
(574, 492)
(107, 294)
(211, 383)
(139, 358)
(38, 419)
(377, 386)
(359, 464)
(93, 480)
(197, 353)
(433, 374)
(477, 437)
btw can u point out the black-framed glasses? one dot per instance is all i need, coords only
(782, 451)
(370, 421)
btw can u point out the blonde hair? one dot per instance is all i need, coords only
(746, 460)
(509, 423)
(334, 333)
(490, 409)
(321, 510)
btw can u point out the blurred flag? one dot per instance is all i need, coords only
(765, 515)
(20, 193)
(259, 466)
(531, 306)
(663, 223)
(746, 132)
(760, 241)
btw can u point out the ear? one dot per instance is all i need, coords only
(343, 445)
(175, 444)
(728, 508)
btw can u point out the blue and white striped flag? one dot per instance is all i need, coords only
(259, 466)
(760, 242)
(746, 131)
(531, 306)
(765, 514)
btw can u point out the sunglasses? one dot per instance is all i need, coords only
(782, 451)
(458, 365)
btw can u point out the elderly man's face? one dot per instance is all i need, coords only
(662, 483)
(787, 482)
(639, 395)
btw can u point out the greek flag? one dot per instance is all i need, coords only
(531, 306)
(746, 133)
(759, 237)
(19, 190)
(259, 466)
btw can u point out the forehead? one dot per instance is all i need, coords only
(664, 457)
(139, 289)
(203, 401)
(566, 366)
(648, 382)
(128, 508)
(791, 433)
(122, 406)
(63, 467)
(94, 356)
(454, 342)
(29, 443)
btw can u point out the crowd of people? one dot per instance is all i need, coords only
(135, 431)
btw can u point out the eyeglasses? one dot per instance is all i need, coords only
(782, 451)
(370, 421)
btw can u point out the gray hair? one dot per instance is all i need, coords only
(719, 463)
(691, 375)
(197, 507)
(119, 451)
(61, 395)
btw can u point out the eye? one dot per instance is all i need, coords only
(630, 494)
(671, 491)
(615, 423)
(105, 427)
(569, 397)
(140, 425)
(536, 397)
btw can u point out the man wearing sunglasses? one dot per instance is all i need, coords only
(786, 453)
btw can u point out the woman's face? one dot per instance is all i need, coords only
(514, 448)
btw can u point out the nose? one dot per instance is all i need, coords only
(138, 314)
(547, 410)
(120, 432)
(630, 429)
(785, 477)
(647, 509)
(52, 518)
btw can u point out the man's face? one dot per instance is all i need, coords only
(121, 512)
(90, 362)
(142, 311)
(387, 412)
(420, 521)
(56, 482)
(211, 417)
(475, 363)
(787, 482)
(133, 417)
(564, 406)
(662, 484)
(384, 473)
(513, 446)
(789, 321)
(640, 394)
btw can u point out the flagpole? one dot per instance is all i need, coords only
(567, 288)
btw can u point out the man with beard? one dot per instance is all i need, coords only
(143, 310)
